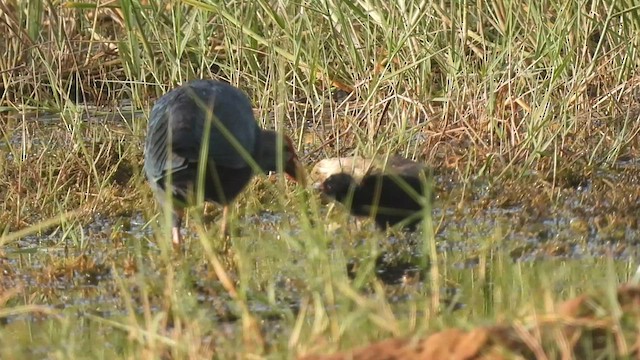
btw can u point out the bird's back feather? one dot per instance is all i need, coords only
(188, 117)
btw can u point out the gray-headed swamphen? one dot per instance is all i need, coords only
(209, 125)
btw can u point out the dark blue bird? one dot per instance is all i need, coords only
(205, 129)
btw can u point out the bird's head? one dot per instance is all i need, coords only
(338, 186)
(270, 154)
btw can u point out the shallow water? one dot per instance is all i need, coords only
(102, 264)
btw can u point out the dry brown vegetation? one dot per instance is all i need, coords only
(526, 111)
(585, 327)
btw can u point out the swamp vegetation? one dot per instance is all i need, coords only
(527, 113)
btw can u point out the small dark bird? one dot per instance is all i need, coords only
(205, 129)
(388, 198)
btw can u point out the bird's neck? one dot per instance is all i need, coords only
(266, 154)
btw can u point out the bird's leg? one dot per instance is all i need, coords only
(225, 221)
(178, 213)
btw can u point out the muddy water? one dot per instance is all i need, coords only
(567, 232)
(568, 223)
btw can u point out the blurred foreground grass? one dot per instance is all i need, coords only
(527, 112)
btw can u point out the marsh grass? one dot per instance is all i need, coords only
(514, 104)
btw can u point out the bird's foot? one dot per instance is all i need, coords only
(177, 238)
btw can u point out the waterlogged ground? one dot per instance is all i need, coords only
(104, 273)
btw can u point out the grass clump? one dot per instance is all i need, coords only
(526, 111)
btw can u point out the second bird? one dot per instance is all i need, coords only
(389, 198)
(205, 129)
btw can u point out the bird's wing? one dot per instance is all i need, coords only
(202, 113)
(159, 156)
(218, 116)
